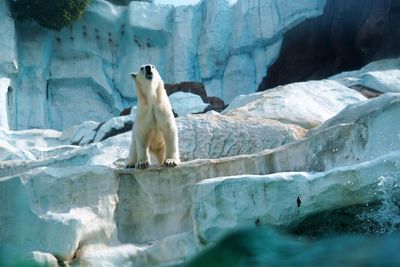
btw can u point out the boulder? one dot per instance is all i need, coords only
(82, 134)
(304, 104)
(114, 127)
(382, 76)
(216, 136)
(186, 103)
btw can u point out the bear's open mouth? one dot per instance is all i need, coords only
(149, 76)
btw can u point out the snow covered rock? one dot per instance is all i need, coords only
(382, 76)
(304, 104)
(354, 113)
(186, 103)
(216, 136)
(114, 127)
(82, 134)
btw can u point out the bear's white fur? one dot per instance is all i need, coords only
(155, 129)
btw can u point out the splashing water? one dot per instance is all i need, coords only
(387, 217)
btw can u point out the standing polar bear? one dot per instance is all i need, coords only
(154, 129)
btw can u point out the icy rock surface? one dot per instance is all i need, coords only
(185, 103)
(8, 44)
(305, 104)
(382, 76)
(4, 88)
(81, 73)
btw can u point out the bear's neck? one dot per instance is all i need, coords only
(151, 95)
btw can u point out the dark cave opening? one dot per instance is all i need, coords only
(349, 35)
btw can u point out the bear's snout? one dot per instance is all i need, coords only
(148, 72)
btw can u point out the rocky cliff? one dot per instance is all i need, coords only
(227, 45)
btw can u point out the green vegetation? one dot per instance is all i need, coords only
(52, 14)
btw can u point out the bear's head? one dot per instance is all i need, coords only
(147, 76)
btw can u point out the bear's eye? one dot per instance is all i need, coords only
(141, 68)
(152, 66)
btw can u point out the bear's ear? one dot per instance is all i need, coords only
(133, 75)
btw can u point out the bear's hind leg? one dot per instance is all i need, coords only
(157, 147)
(142, 148)
(160, 154)
(132, 158)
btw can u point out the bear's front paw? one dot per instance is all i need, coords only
(171, 162)
(143, 164)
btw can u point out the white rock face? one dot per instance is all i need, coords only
(8, 54)
(186, 103)
(239, 77)
(224, 203)
(43, 199)
(30, 144)
(382, 76)
(81, 74)
(4, 84)
(8, 64)
(216, 136)
(304, 104)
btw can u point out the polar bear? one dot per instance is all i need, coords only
(155, 129)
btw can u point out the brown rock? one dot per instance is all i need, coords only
(125, 112)
(197, 88)
(187, 87)
(367, 92)
(216, 104)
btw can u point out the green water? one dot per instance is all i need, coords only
(267, 247)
